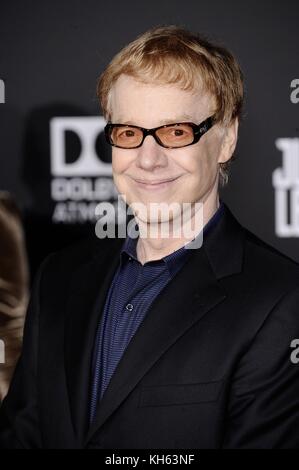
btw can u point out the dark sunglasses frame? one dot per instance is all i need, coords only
(198, 130)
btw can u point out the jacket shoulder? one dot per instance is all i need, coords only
(78, 254)
(268, 263)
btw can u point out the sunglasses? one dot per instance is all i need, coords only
(175, 135)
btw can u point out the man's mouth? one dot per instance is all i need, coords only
(155, 184)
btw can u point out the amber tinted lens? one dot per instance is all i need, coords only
(126, 136)
(176, 135)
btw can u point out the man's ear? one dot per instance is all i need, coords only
(229, 141)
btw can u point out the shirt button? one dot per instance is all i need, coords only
(130, 259)
(129, 307)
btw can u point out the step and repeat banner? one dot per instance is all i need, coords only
(54, 160)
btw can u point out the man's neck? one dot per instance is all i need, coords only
(155, 248)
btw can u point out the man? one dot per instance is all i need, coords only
(144, 343)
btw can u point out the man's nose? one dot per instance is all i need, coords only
(151, 154)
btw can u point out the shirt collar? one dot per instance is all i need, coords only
(177, 258)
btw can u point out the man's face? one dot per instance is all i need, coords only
(152, 173)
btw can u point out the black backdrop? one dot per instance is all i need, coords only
(51, 54)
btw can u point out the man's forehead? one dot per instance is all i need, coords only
(130, 98)
(128, 88)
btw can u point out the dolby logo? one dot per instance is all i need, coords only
(78, 183)
(87, 130)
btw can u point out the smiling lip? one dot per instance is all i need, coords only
(155, 184)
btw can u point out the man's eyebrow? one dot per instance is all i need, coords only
(161, 122)
(181, 118)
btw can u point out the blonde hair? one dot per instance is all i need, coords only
(173, 55)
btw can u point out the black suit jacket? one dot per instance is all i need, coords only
(209, 367)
